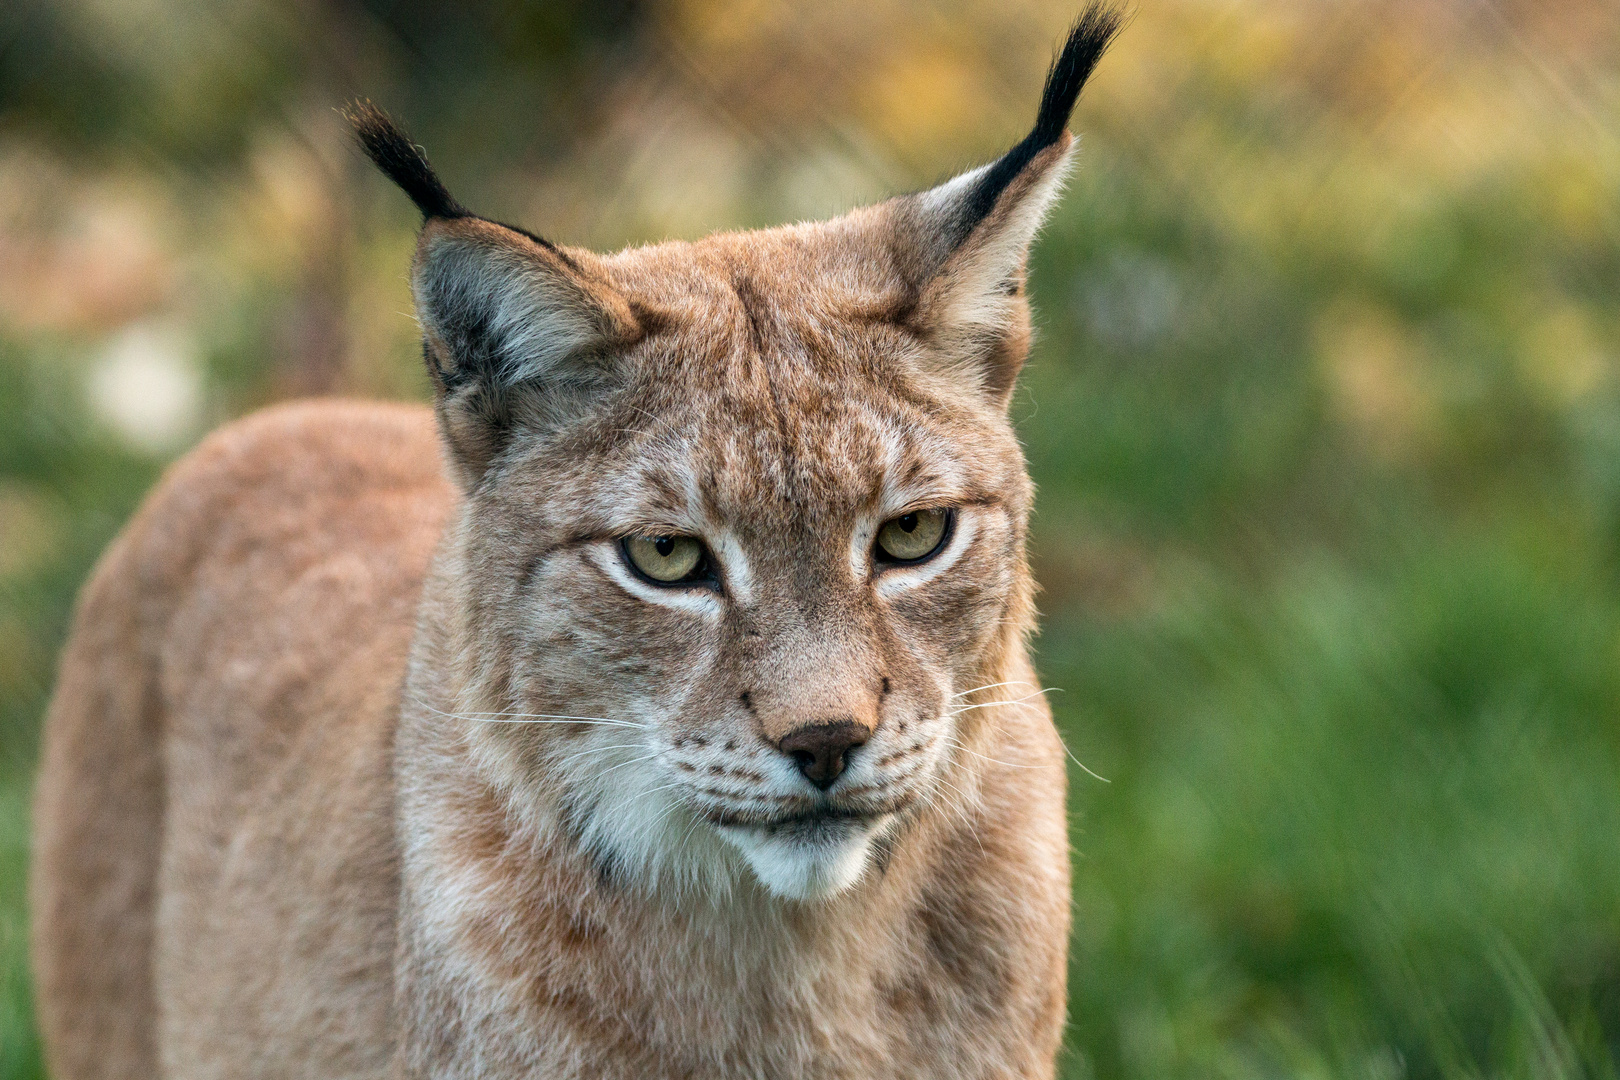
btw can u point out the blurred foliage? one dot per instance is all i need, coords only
(1325, 412)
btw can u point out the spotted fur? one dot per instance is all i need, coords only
(356, 769)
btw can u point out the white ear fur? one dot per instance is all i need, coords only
(503, 314)
(977, 290)
(971, 259)
(515, 330)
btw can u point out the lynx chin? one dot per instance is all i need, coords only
(657, 705)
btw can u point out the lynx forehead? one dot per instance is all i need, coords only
(677, 722)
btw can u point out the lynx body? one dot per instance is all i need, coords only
(624, 726)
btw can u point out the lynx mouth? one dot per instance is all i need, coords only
(808, 855)
(823, 817)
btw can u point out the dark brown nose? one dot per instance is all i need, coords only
(820, 750)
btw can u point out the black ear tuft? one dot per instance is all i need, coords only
(1093, 32)
(401, 161)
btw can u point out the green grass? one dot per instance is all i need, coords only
(19, 1047)
(1354, 827)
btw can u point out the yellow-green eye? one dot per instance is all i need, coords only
(912, 536)
(665, 559)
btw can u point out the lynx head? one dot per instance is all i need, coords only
(744, 522)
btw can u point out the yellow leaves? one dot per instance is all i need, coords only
(1580, 192)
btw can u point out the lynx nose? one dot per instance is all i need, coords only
(820, 750)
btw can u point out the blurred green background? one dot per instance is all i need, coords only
(1325, 413)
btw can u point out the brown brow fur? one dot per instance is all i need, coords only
(354, 770)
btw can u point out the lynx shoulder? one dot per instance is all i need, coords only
(656, 705)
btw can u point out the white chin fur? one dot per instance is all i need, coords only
(805, 862)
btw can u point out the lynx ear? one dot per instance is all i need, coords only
(514, 328)
(963, 245)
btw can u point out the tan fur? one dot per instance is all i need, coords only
(213, 824)
(312, 803)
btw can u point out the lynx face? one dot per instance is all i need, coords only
(745, 523)
(843, 539)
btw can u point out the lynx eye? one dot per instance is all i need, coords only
(913, 537)
(666, 560)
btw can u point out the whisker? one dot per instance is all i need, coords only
(665, 787)
(587, 751)
(691, 830)
(1009, 764)
(522, 717)
(663, 816)
(1021, 701)
(989, 686)
(962, 809)
(1080, 763)
(1005, 701)
(633, 761)
(540, 720)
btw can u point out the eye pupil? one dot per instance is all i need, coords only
(666, 560)
(912, 537)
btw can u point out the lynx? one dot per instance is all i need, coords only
(666, 712)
